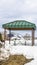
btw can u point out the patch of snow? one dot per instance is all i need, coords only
(33, 62)
(22, 40)
(11, 43)
(7, 45)
(4, 54)
(35, 41)
(28, 42)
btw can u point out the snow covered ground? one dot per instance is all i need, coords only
(21, 42)
(35, 41)
(28, 51)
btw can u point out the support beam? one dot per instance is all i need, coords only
(9, 36)
(32, 37)
(4, 36)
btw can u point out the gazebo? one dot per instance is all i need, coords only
(19, 25)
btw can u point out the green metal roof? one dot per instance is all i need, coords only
(19, 24)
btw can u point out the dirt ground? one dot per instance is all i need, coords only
(16, 60)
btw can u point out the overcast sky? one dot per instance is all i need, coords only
(18, 9)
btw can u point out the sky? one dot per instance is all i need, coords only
(11, 10)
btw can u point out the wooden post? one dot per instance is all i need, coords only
(9, 36)
(32, 37)
(4, 36)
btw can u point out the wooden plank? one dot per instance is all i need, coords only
(19, 28)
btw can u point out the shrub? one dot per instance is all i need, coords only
(0, 36)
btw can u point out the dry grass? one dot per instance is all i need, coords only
(16, 60)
